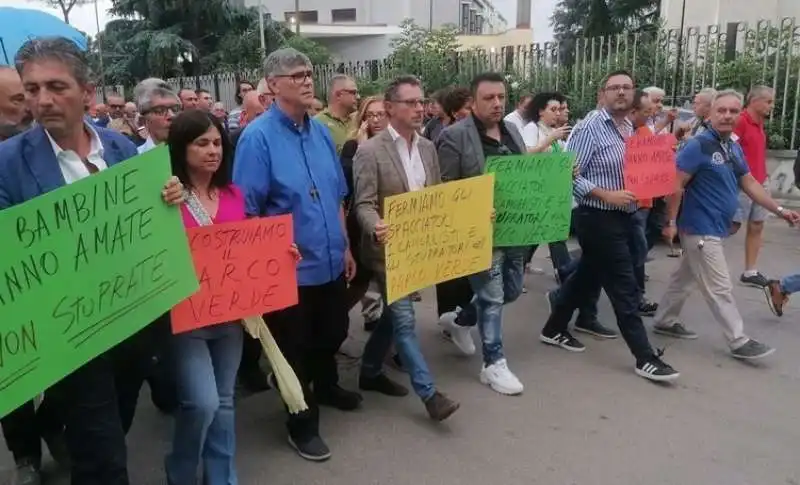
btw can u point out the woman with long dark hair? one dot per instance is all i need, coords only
(206, 360)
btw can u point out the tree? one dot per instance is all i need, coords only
(65, 6)
(597, 18)
(170, 38)
(429, 54)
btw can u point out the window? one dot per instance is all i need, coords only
(306, 16)
(479, 24)
(465, 18)
(343, 15)
(473, 22)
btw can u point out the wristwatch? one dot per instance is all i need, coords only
(781, 210)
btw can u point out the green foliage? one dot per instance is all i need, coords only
(173, 38)
(428, 54)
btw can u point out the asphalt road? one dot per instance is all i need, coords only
(584, 419)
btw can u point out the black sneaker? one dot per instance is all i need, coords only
(338, 398)
(657, 370)
(595, 328)
(383, 385)
(647, 308)
(313, 449)
(676, 330)
(563, 340)
(757, 280)
(752, 350)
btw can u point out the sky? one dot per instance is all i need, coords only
(83, 18)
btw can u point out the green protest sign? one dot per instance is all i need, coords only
(532, 197)
(83, 268)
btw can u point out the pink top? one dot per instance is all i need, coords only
(231, 208)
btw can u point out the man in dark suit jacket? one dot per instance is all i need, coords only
(63, 148)
(463, 149)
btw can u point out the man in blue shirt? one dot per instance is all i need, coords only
(286, 163)
(711, 170)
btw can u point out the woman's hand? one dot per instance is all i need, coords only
(295, 253)
(173, 191)
(363, 133)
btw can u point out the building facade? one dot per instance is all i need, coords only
(702, 13)
(363, 29)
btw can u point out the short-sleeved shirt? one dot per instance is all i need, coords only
(751, 136)
(340, 129)
(230, 209)
(711, 197)
(285, 168)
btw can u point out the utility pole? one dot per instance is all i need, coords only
(297, 17)
(261, 28)
(100, 51)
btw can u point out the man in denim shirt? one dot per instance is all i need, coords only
(286, 163)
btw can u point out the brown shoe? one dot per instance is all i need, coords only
(440, 407)
(776, 298)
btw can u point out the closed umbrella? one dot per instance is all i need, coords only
(19, 25)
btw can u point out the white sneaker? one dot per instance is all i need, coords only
(501, 379)
(460, 336)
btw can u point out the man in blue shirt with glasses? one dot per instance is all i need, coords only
(286, 163)
(711, 170)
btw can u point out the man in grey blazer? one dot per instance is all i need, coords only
(396, 161)
(463, 149)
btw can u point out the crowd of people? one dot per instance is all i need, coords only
(331, 165)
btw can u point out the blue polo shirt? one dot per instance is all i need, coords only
(283, 168)
(711, 197)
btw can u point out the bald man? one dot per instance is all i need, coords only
(252, 108)
(14, 116)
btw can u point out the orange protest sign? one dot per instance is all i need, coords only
(650, 165)
(244, 269)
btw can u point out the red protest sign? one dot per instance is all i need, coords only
(244, 269)
(650, 165)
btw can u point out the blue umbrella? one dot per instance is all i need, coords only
(19, 25)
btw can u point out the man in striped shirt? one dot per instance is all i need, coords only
(606, 228)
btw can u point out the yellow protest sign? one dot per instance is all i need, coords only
(438, 234)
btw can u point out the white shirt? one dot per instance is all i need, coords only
(515, 119)
(70, 163)
(534, 133)
(148, 144)
(412, 160)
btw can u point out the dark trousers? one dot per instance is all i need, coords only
(251, 354)
(605, 238)
(587, 312)
(25, 427)
(145, 357)
(98, 404)
(454, 294)
(559, 255)
(309, 334)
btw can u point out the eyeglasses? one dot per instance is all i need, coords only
(375, 116)
(411, 103)
(619, 87)
(116, 106)
(163, 110)
(298, 77)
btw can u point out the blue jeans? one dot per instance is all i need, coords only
(501, 284)
(791, 284)
(206, 362)
(397, 324)
(639, 246)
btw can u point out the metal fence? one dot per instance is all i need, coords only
(737, 55)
